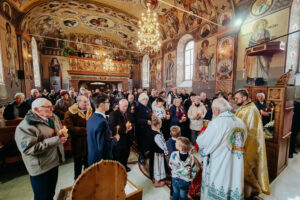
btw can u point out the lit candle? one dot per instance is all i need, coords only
(128, 124)
(118, 127)
(64, 131)
(272, 109)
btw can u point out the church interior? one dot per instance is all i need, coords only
(123, 46)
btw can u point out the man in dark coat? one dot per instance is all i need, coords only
(152, 97)
(188, 102)
(75, 120)
(99, 139)
(17, 108)
(172, 95)
(119, 124)
(34, 95)
(132, 104)
(184, 96)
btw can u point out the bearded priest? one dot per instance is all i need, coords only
(256, 170)
(222, 148)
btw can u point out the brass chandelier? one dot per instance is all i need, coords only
(148, 36)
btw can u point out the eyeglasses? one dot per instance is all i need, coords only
(48, 107)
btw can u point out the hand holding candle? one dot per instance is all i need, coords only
(128, 126)
(183, 117)
(117, 128)
(199, 114)
(63, 132)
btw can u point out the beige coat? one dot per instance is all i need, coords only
(195, 124)
(39, 144)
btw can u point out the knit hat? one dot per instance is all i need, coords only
(143, 96)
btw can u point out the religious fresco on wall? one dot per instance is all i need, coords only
(260, 8)
(9, 51)
(292, 60)
(226, 18)
(258, 66)
(254, 33)
(170, 69)
(6, 9)
(11, 55)
(55, 74)
(225, 64)
(158, 74)
(152, 73)
(205, 62)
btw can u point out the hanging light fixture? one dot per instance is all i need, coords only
(148, 36)
(108, 64)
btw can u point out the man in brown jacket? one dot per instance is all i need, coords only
(75, 120)
(40, 139)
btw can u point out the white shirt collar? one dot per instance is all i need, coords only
(101, 114)
(44, 118)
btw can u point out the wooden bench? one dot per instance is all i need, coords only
(10, 151)
(14, 122)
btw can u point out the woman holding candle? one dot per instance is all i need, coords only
(196, 113)
(178, 117)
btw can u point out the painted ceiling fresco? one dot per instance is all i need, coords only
(61, 18)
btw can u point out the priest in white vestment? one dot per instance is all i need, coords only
(221, 146)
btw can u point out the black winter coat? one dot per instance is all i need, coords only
(9, 110)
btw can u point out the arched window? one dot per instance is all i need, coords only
(189, 60)
(1, 68)
(36, 65)
(146, 69)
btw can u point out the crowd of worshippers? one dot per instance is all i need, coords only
(164, 126)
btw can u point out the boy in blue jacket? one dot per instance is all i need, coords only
(99, 138)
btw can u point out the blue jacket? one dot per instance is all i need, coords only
(174, 120)
(171, 146)
(98, 139)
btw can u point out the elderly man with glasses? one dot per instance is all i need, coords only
(40, 139)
